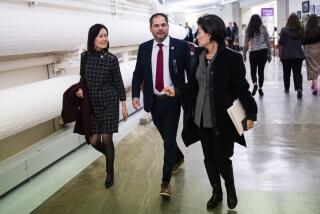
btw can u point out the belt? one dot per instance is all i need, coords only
(161, 96)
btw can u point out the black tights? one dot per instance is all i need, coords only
(106, 148)
(95, 139)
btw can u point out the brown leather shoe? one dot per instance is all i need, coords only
(176, 166)
(165, 190)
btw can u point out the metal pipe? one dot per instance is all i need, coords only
(28, 63)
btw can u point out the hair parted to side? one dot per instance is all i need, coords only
(158, 14)
(92, 35)
(214, 26)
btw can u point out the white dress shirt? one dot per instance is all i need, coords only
(166, 75)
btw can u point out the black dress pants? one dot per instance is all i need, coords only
(295, 65)
(216, 146)
(165, 115)
(258, 61)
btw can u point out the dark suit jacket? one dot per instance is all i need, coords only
(77, 109)
(179, 59)
(227, 83)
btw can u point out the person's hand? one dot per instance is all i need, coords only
(79, 93)
(269, 58)
(250, 124)
(136, 103)
(169, 91)
(124, 111)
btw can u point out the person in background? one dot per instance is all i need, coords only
(311, 46)
(217, 79)
(291, 53)
(100, 73)
(189, 37)
(236, 36)
(257, 39)
(230, 36)
(161, 62)
(195, 38)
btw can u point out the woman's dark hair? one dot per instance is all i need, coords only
(158, 14)
(92, 35)
(294, 26)
(214, 26)
(312, 29)
(254, 26)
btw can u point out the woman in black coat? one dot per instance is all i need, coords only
(218, 79)
(100, 73)
(291, 53)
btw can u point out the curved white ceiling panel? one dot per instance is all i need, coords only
(37, 30)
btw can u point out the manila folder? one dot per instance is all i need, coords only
(237, 115)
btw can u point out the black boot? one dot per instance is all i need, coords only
(109, 147)
(226, 171)
(215, 182)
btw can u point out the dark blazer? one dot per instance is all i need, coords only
(227, 83)
(291, 47)
(179, 59)
(77, 109)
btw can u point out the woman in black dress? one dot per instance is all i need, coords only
(100, 73)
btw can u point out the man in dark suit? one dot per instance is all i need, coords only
(162, 61)
(189, 37)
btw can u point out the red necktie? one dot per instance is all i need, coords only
(159, 70)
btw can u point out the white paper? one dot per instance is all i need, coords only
(237, 114)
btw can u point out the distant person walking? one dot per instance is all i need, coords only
(257, 40)
(189, 34)
(311, 46)
(236, 36)
(230, 36)
(291, 53)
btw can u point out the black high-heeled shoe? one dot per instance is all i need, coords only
(109, 180)
(261, 92)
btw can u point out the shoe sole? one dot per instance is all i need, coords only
(175, 171)
(166, 195)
